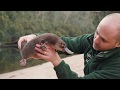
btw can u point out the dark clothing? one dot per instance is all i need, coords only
(97, 65)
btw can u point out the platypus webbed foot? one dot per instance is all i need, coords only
(23, 62)
(43, 46)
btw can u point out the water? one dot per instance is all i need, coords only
(10, 58)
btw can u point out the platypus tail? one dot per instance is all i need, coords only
(10, 45)
(13, 44)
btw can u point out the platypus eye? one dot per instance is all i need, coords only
(63, 45)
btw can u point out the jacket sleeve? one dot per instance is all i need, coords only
(63, 71)
(111, 71)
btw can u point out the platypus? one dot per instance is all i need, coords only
(28, 50)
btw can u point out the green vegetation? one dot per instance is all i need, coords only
(14, 24)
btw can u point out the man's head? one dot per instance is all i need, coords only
(107, 35)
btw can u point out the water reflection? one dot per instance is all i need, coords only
(9, 60)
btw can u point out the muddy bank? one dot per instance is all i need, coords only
(46, 71)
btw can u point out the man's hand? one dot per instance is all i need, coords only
(26, 38)
(49, 54)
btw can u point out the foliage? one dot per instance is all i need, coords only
(14, 24)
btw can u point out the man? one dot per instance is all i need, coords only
(101, 51)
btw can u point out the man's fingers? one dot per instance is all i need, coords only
(47, 46)
(38, 45)
(42, 54)
(41, 51)
(26, 38)
(20, 42)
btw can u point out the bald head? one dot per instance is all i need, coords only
(112, 23)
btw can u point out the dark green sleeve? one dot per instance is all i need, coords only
(112, 71)
(63, 71)
(77, 44)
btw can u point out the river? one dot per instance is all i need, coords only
(10, 58)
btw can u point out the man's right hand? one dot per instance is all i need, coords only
(26, 38)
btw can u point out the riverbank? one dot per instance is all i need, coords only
(46, 71)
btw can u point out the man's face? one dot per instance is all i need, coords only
(105, 38)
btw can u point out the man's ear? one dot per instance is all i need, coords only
(118, 44)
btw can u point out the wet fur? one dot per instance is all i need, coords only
(47, 38)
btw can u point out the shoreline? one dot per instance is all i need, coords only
(46, 71)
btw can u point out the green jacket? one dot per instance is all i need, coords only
(98, 65)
